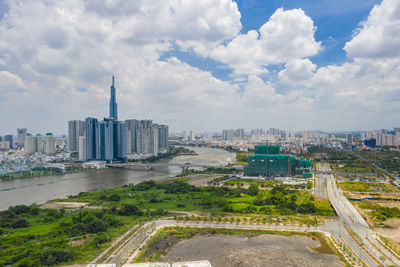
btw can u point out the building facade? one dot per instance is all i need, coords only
(76, 128)
(21, 135)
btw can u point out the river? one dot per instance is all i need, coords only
(42, 189)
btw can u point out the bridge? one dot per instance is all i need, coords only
(152, 166)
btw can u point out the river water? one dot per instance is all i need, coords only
(42, 189)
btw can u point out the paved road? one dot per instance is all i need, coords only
(320, 181)
(354, 221)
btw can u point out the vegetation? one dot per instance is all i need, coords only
(31, 236)
(378, 212)
(367, 187)
(173, 152)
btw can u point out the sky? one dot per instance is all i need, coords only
(205, 65)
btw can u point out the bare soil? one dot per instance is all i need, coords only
(202, 179)
(262, 250)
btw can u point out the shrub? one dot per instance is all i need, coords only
(130, 209)
(19, 223)
(56, 256)
(114, 197)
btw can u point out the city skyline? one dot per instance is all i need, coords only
(293, 65)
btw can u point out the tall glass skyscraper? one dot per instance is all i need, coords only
(113, 102)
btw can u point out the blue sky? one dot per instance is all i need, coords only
(202, 65)
(335, 22)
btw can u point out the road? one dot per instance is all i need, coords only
(320, 180)
(373, 253)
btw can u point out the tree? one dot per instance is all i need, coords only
(130, 209)
(114, 197)
(253, 190)
(19, 223)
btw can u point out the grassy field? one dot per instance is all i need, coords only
(367, 187)
(31, 236)
(376, 212)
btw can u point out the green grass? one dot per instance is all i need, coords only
(50, 229)
(367, 187)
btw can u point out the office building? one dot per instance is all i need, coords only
(82, 148)
(10, 139)
(113, 102)
(50, 146)
(21, 135)
(76, 128)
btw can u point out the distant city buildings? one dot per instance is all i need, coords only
(112, 140)
(230, 134)
(382, 138)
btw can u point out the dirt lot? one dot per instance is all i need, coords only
(202, 179)
(263, 250)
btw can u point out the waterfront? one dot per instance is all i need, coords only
(41, 189)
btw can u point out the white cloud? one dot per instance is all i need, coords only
(57, 57)
(297, 72)
(379, 35)
(287, 35)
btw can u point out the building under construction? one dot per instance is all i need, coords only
(268, 162)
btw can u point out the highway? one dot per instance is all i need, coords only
(320, 181)
(366, 247)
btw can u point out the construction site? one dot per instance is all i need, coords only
(268, 162)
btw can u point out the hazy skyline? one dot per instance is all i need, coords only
(202, 65)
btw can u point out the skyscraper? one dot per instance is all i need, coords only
(30, 145)
(163, 137)
(21, 134)
(76, 128)
(185, 135)
(192, 136)
(113, 102)
(105, 146)
(92, 138)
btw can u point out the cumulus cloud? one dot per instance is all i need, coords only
(287, 35)
(57, 57)
(379, 35)
(297, 72)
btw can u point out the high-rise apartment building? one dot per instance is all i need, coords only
(349, 138)
(10, 139)
(50, 146)
(76, 128)
(132, 126)
(21, 135)
(192, 136)
(4, 145)
(163, 136)
(91, 137)
(239, 133)
(30, 146)
(143, 137)
(82, 148)
(185, 136)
